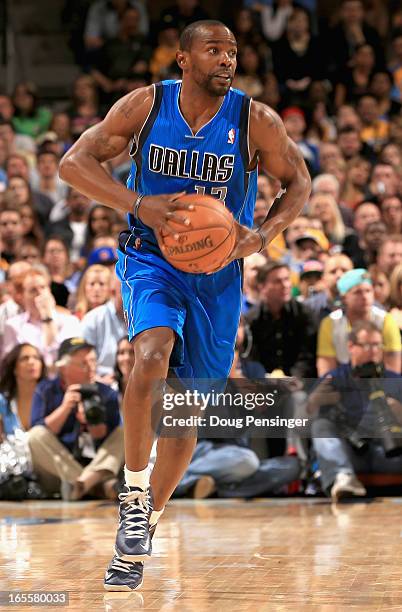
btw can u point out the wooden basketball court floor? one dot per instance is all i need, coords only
(279, 555)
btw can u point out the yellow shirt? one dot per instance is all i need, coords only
(390, 333)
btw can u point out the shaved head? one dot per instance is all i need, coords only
(195, 29)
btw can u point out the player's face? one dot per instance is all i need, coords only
(212, 60)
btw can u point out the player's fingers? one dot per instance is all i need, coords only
(166, 230)
(180, 219)
(181, 206)
(175, 196)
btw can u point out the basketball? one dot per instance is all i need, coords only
(205, 245)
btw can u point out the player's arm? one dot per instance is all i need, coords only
(279, 156)
(82, 167)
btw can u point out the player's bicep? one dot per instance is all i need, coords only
(101, 143)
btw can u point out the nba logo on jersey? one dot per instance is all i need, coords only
(231, 136)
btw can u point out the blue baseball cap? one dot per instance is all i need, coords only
(352, 278)
(103, 255)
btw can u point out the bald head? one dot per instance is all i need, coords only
(198, 29)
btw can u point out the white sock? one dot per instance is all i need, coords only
(155, 516)
(137, 479)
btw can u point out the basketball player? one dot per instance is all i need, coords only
(195, 135)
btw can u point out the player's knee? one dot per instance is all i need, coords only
(245, 464)
(152, 362)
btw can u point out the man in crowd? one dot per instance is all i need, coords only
(327, 300)
(356, 290)
(340, 404)
(390, 253)
(76, 449)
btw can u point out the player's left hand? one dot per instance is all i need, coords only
(247, 242)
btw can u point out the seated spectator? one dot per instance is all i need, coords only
(72, 228)
(340, 402)
(6, 107)
(350, 32)
(384, 182)
(61, 126)
(390, 253)
(181, 13)
(372, 238)
(11, 232)
(282, 329)
(274, 18)
(270, 91)
(122, 57)
(395, 296)
(103, 327)
(30, 252)
(124, 363)
(40, 323)
(391, 210)
(29, 118)
(249, 72)
(164, 55)
(21, 369)
(364, 214)
(64, 439)
(31, 226)
(297, 58)
(229, 466)
(14, 304)
(382, 288)
(354, 81)
(295, 124)
(375, 129)
(395, 65)
(47, 180)
(355, 188)
(100, 223)
(18, 173)
(102, 22)
(252, 264)
(351, 145)
(330, 184)
(327, 300)
(85, 109)
(57, 260)
(323, 206)
(381, 87)
(310, 279)
(95, 289)
(356, 290)
(329, 156)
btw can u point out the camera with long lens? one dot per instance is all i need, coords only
(385, 426)
(95, 412)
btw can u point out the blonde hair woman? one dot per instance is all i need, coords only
(396, 295)
(324, 207)
(95, 289)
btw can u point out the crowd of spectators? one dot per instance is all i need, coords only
(337, 84)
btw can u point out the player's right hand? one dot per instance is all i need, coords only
(158, 211)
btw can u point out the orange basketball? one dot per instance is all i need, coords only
(206, 244)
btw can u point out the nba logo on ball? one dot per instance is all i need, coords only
(231, 136)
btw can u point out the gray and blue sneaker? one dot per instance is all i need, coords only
(133, 541)
(125, 575)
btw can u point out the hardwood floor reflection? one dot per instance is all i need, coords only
(232, 556)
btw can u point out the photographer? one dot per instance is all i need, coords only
(75, 423)
(355, 400)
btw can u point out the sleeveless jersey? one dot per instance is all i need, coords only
(167, 157)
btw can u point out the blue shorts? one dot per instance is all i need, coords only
(203, 310)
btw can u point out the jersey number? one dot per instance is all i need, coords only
(220, 192)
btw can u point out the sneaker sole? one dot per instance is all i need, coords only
(121, 587)
(132, 557)
(346, 494)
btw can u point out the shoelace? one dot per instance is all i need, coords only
(123, 566)
(138, 509)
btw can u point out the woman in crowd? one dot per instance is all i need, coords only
(31, 226)
(100, 223)
(324, 207)
(355, 81)
(381, 286)
(85, 110)
(21, 369)
(95, 289)
(355, 187)
(29, 118)
(57, 260)
(124, 363)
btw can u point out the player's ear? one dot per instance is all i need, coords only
(181, 59)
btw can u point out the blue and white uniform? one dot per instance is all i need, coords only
(167, 157)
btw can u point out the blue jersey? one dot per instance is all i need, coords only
(167, 157)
